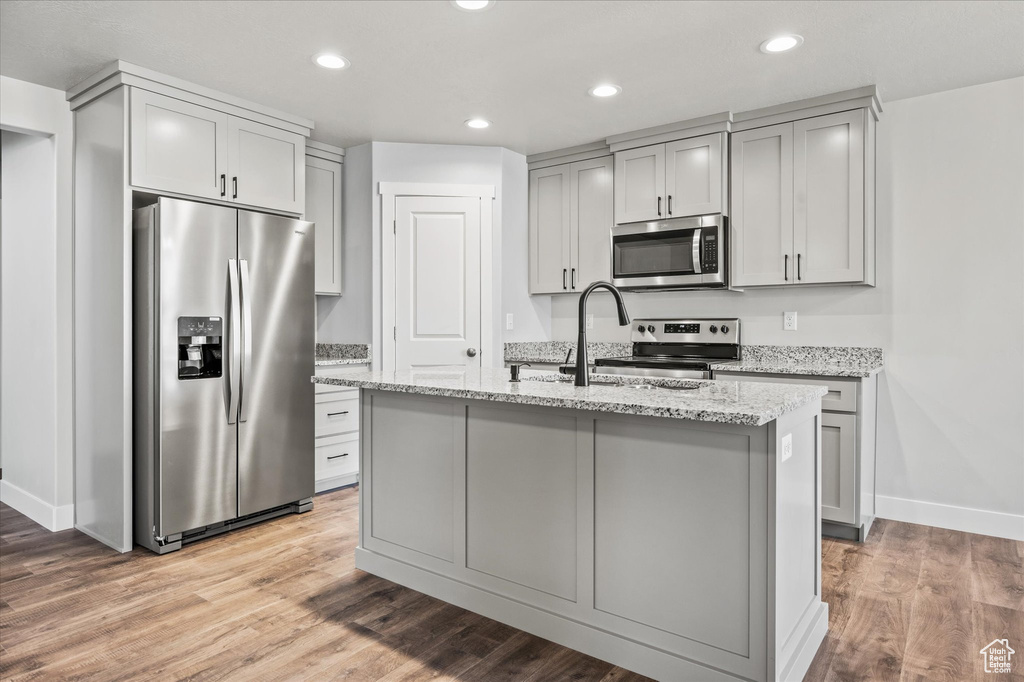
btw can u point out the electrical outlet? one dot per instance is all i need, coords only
(789, 321)
(787, 446)
(590, 321)
(508, 322)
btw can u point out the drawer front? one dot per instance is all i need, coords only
(326, 392)
(841, 396)
(337, 416)
(337, 456)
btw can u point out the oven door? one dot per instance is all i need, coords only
(668, 254)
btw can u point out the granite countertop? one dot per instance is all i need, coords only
(331, 354)
(727, 402)
(829, 361)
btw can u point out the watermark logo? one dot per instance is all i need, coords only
(997, 656)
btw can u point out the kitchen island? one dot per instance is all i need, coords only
(670, 527)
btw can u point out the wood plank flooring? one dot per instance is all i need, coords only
(283, 601)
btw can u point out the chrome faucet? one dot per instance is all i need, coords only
(582, 362)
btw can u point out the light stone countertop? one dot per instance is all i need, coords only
(726, 402)
(331, 354)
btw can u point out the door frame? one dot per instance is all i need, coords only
(389, 193)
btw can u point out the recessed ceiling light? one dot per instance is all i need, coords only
(478, 123)
(606, 90)
(331, 61)
(781, 43)
(472, 5)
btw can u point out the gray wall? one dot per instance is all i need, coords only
(949, 313)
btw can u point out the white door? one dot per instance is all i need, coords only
(591, 222)
(640, 184)
(762, 206)
(437, 282)
(177, 146)
(828, 210)
(267, 166)
(693, 176)
(550, 250)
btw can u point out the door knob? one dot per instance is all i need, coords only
(471, 352)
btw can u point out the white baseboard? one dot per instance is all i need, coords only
(980, 521)
(45, 514)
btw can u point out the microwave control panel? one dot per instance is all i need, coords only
(710, 253)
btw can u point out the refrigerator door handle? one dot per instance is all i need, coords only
(243, 414)
(234, 331)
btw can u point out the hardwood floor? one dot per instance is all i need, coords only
(283, 601)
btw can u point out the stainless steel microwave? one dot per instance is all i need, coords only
(679, 253)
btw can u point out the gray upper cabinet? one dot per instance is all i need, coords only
(803, 202)
(178, 146)
(570, 223)
(188, 149)
(324, 207)
(266, 165)
(671, 180)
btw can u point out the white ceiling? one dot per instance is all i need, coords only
(419, 69)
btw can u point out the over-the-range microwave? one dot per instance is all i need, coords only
(679, 253)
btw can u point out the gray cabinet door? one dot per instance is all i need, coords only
(177, 146)
(828, 207)
(762, 206)
(266, 166)
(276, 415)
(324, 207)
(839, 467)
(550, 251)
(590, 220)
(640, 184)
(693, 176)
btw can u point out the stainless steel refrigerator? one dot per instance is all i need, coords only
(223, 354)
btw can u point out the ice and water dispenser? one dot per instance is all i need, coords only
(200, 342)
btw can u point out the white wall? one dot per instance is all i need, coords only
(36, 351)
(531, 315)
(366, 167)
(948, 313)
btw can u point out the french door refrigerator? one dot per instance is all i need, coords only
(223, 355)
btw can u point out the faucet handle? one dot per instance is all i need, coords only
(568, 357)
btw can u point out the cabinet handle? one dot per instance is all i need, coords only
(330, 457)
(798, 277)
(670, 204)
(564, 271)
(234, 187)
(335, 414)
(659, 207)
(785, 268)
(574, 278)
(223, 184)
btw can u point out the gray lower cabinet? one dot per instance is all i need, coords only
(336, 419)
(682, 550)
(847, 449)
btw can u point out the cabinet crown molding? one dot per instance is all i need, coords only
(858, 98)
(583, 152)
(327, 152)
(120, 72)
(695, 127)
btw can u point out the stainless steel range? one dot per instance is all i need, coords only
(684, 349)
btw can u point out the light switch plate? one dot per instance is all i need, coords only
(789, 321)
(787, 446)
(590, 321)
(508, 321)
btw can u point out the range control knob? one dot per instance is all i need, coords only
(725, 330)
(650, 328)
(641, 328)
(713, 329)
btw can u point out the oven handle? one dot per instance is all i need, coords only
(696, 252)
